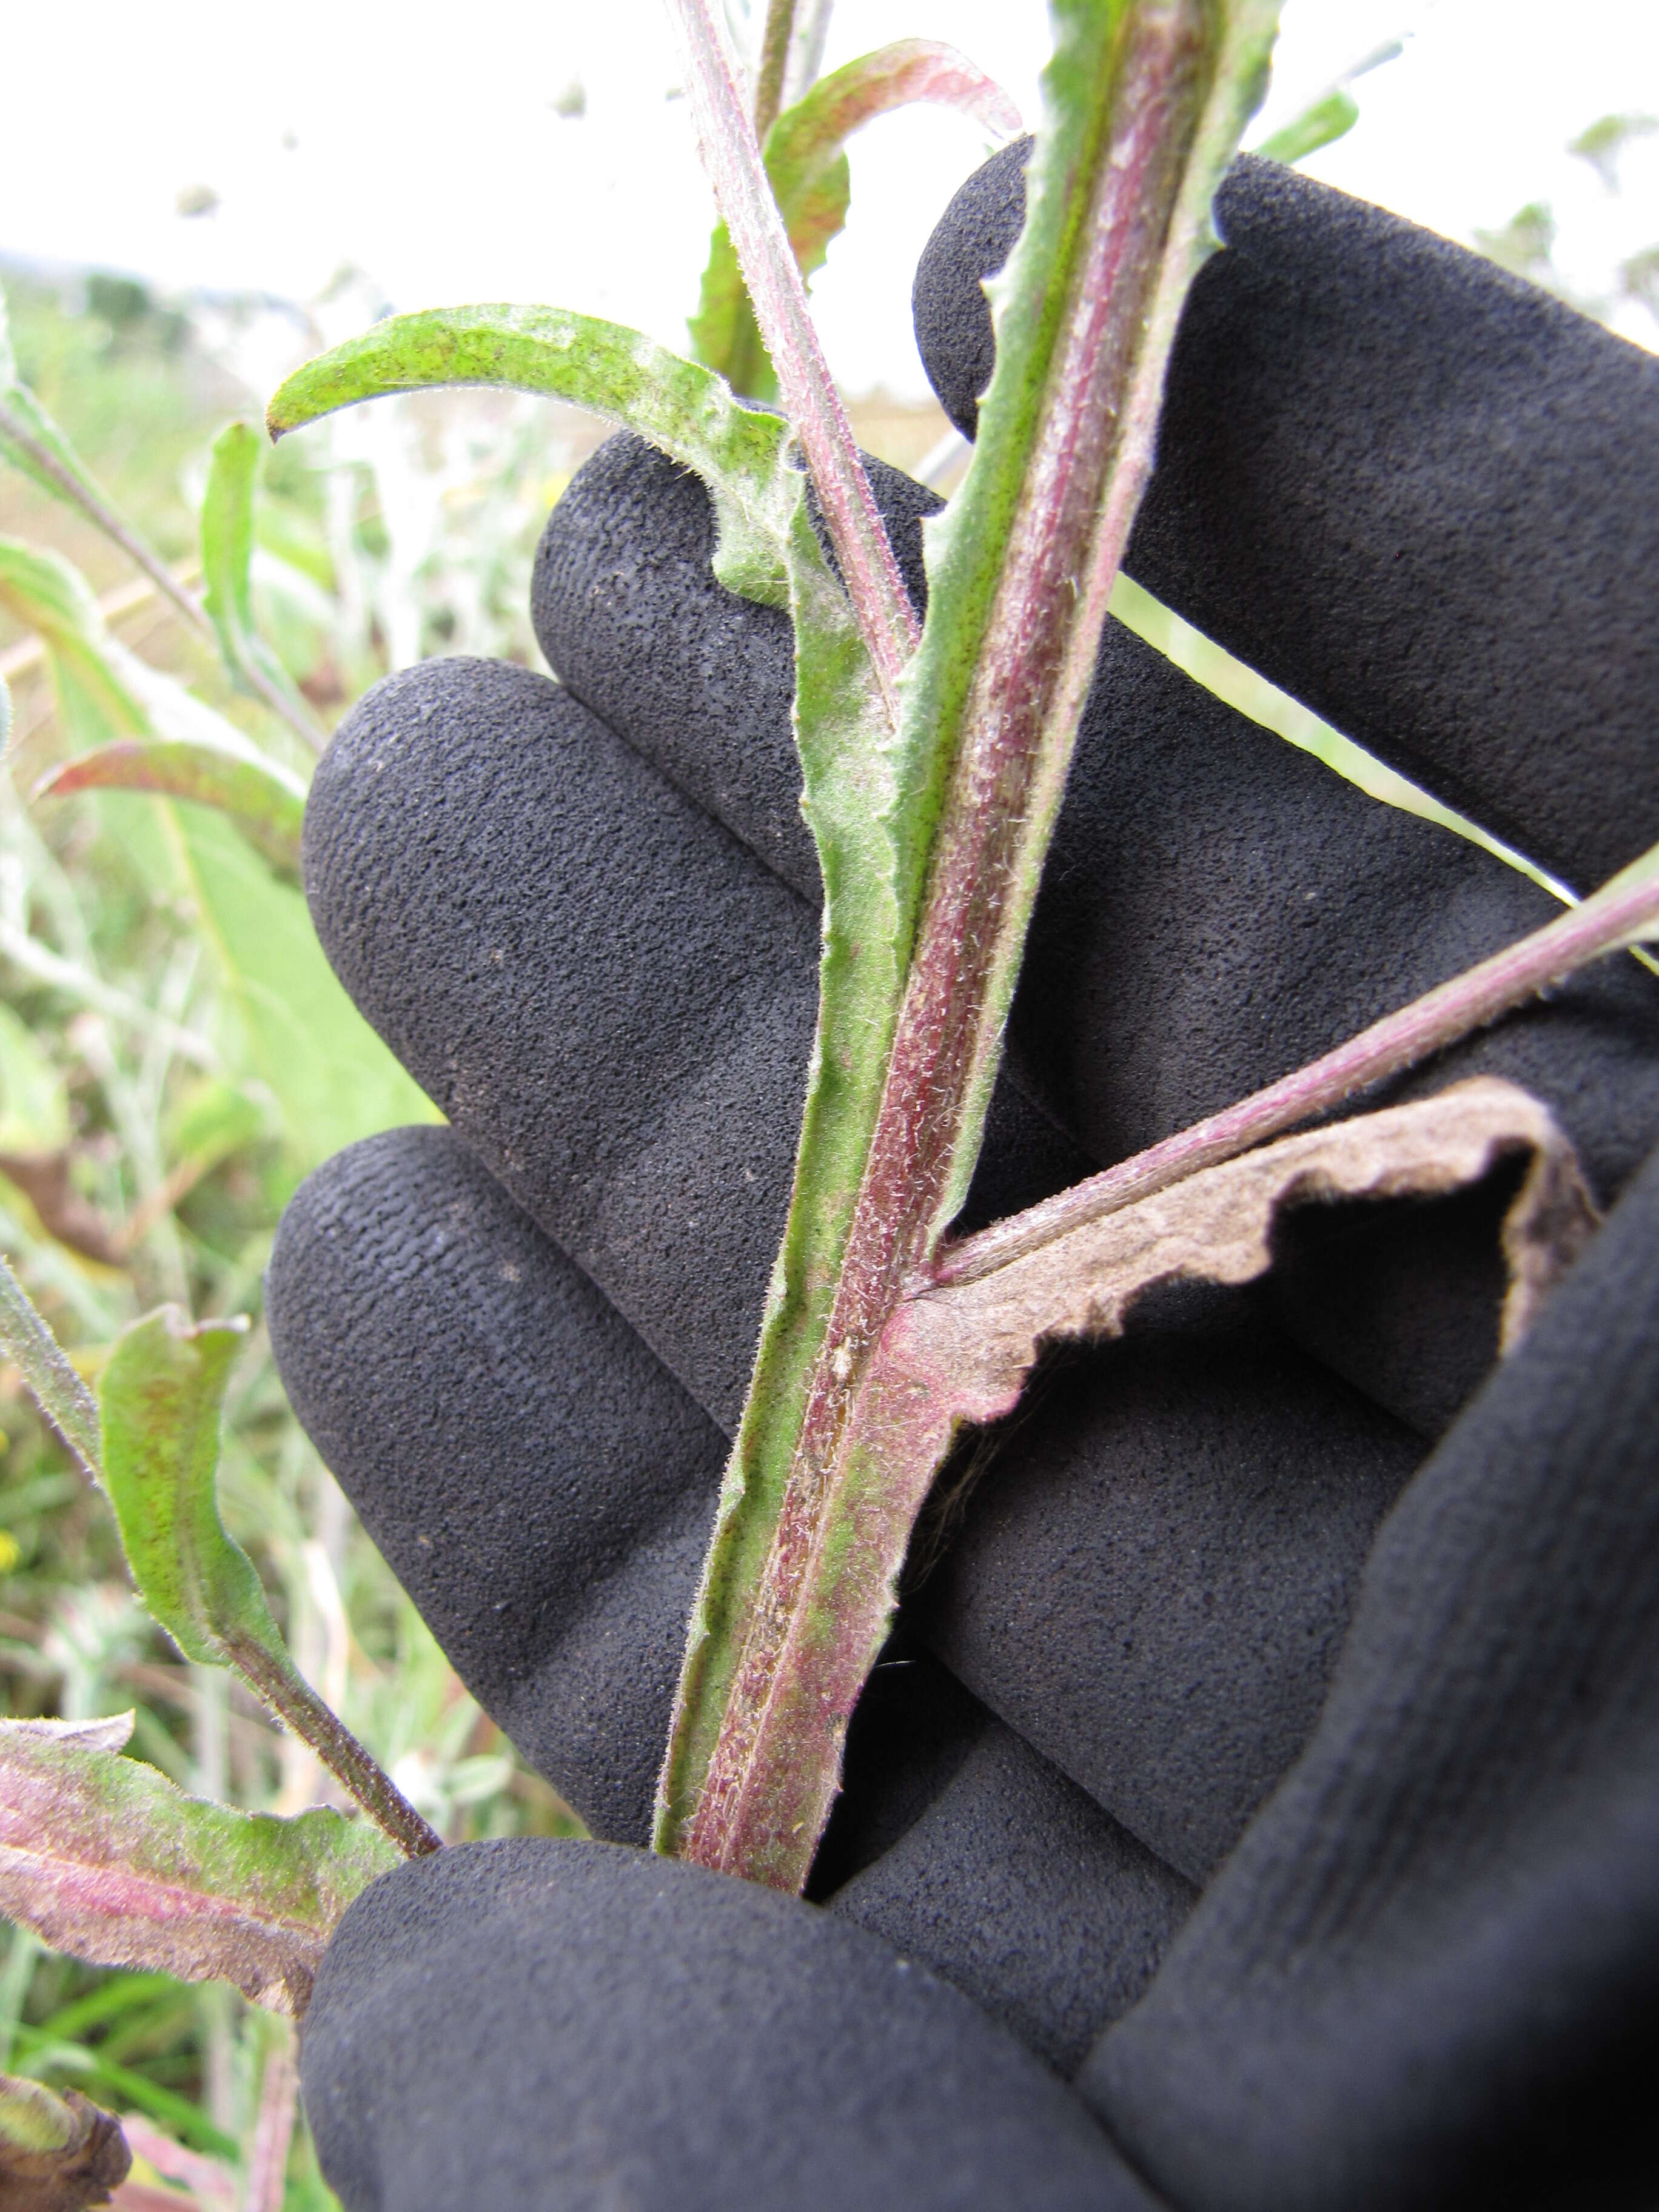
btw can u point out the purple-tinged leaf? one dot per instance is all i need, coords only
(107, 1860)
(266, 802)
(57, 2153)
(806, 167)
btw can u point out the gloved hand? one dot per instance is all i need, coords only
(1313, 1848)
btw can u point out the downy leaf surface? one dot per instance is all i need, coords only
(107, 1860)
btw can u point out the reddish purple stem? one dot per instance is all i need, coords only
(1398, 1041)
(732, 157)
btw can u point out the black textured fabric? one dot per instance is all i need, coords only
(1181, 952)
(537, 1483)
(600, 2068)
(1430, 1974)
(585, 919)
(1416, 492)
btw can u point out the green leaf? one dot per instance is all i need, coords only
(57, 2154)
(159, 1400)
(1321, 123)
(226, 559)
(291, 1024)
(107, 1860)
(807, 164)
(266, 802)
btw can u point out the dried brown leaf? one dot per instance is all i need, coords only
(976, 1342)
(959, 1352)
(57, 2153)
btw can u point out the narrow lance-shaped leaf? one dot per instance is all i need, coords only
(226, 564)
(806, 166)
(1144, 106)
(160, 1397)
(265, 800)
(1320, 125)
(57, 2153)
(107, 1860)
(872, 854)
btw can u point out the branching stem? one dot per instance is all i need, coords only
(731, 156)
(773, 65)
(1442, 1016)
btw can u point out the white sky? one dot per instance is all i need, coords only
(422, 145)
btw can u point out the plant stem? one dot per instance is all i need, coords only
(731, 156)
(97, 511)
(58, 1391)
(1085, 439)
(297, 1704)
(773, 63)
(1441, 1018)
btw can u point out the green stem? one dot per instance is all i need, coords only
(1149, 98)
(292, 1698)
(774, 65)
(56, 1387)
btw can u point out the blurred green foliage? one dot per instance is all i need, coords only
(174, 1054)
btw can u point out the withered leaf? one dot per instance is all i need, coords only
(962, 1353)
(57, 2153)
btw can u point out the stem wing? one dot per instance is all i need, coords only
(107, 1860)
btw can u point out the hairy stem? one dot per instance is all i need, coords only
(774, 65)
(1001, 679)
(295, 1702)
(1441, 1018)
(58, 1391)
(731, 156)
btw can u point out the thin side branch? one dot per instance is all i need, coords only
(96, 511)
(58, 1391)
(773, 65)
(295, 1702)
(731, 156)
(1442, 1016)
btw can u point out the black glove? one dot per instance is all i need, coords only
(1425, 499)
